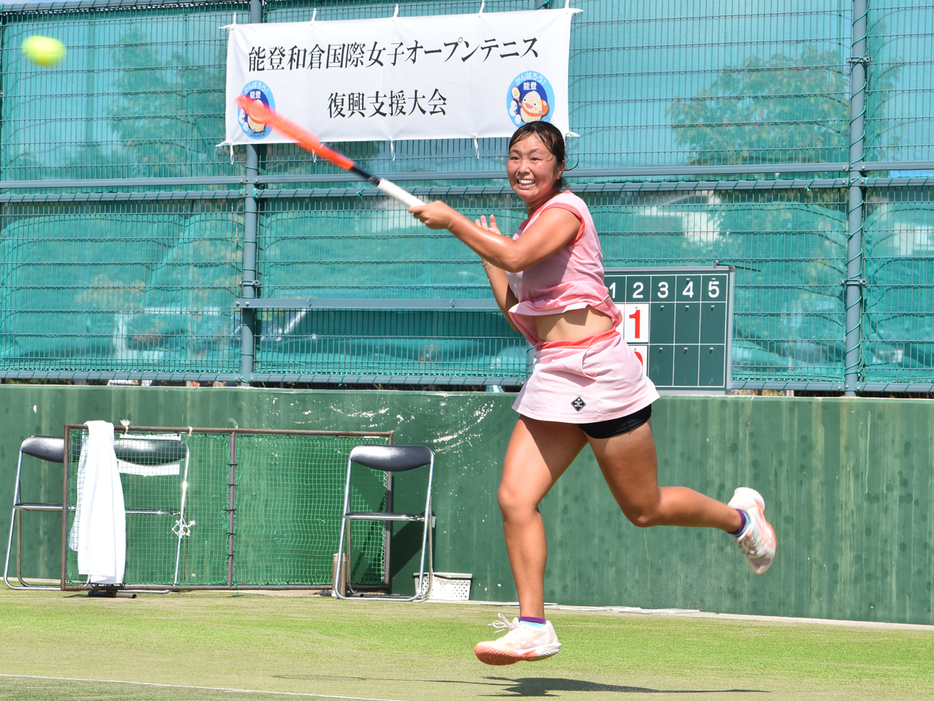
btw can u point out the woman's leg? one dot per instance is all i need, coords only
(630, 467)
(538, 454)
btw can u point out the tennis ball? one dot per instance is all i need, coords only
(43, 51)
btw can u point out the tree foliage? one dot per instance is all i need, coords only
(169, 114)
(787, 109)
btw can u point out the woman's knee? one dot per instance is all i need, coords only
(514, 504)
(643, 516)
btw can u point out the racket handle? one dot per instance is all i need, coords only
(397, 193)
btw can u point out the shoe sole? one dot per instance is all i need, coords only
(492, 656)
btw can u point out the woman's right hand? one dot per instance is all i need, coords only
(434, 215)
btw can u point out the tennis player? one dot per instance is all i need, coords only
(586, 387)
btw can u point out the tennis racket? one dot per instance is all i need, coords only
(261, 114)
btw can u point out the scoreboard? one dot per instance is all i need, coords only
(679, 323)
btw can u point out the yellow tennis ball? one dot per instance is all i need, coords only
(43, 51)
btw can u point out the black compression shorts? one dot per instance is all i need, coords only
(614, 427)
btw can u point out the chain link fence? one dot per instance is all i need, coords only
(793, 143)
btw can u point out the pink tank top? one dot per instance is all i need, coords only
(570, 279)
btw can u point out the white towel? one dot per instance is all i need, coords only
(99, 529)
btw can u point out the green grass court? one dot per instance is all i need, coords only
(252, 646)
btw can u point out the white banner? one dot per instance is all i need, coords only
(450, 76)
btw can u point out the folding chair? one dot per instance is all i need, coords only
(134, 450)
(49, 449)
(387, 459)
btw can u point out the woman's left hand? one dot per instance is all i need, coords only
(481, 222)
(434, 215)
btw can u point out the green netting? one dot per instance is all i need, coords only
(151, 288)
(363, 251)
(141, 93)
(790, 255)
(717, 74)
(289, 496)
(161, 501)
(185, 321)
(788, 248)
(900, 92)
(747, 104)
(286, 502)
(67, 278)
(654, 83)
(899, 265)
(706, 83)
(406, 344)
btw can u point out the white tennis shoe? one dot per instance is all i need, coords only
(521, 643)
(757, 540)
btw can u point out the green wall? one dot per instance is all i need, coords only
(848, 483)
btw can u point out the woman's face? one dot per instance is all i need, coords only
(532, 170)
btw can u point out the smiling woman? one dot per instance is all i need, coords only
(535, 166)
(587, 386)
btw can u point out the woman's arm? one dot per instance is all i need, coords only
(550, 232)
(499, 284)
(504, 296)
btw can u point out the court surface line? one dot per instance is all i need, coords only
(198, 688)
(697, 613)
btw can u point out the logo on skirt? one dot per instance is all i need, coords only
(578, 404)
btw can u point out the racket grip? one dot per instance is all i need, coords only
(397, 193)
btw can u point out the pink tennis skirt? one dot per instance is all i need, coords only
(580, 382)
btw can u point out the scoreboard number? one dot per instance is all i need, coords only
(678, 322)
(636, 322)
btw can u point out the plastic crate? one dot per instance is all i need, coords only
(448, 586)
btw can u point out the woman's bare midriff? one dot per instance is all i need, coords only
(572, 325)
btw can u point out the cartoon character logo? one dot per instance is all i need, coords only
(530, 99)
(255, 90)
(533, 107)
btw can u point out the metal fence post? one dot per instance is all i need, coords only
(853, 284)
(250, 283)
